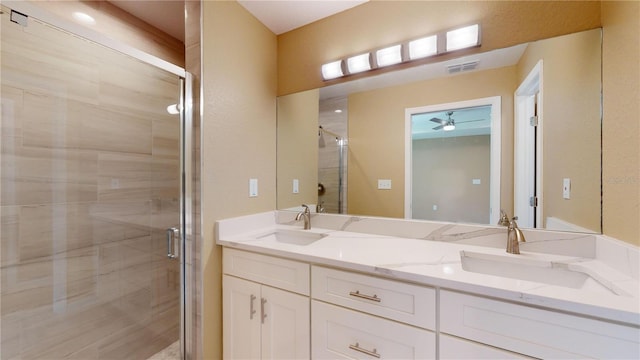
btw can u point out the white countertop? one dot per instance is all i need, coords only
(438, 264)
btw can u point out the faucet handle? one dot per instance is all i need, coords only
(504, 218)
(306, 208)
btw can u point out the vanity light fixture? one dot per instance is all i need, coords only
(337, 111)
(173, 109)
(389, 56)
(432, 45)
(462, 38)
(332, 70)
(421, 48)
(359, 63)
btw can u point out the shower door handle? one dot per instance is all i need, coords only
(173, 243)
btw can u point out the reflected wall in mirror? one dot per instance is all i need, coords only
(452, 161)
(569, 116)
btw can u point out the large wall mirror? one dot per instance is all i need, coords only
(523, 134)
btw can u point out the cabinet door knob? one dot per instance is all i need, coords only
(264, 314)
(357, 347)
(252, 311)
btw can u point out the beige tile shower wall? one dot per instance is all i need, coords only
(89, 183)
(380, 114)
(571, 124)
(122, 26)
(238, 138)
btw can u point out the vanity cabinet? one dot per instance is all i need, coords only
(355, 316)
(265, 307)
(534, 332)
(454, 348)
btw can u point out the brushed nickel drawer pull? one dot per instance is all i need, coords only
(357, 347)
(262, 311)
(363, 296)
(252, 311)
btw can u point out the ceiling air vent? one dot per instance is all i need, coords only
(456, 68)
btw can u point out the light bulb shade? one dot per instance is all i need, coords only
(423, 47)
(463, 38)
(332, 70)
(389, 56)
(359, 63)
(449, 127)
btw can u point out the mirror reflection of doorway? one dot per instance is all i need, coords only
(453, 161)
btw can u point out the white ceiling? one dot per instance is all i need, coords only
(279, 16)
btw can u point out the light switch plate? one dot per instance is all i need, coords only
(476, 181)
(296, 186)
(566, 188)
(384, 184)
(253, 187)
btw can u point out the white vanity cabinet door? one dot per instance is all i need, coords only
(286, 328)
(407, 303)
(262, 322)
(241, 319)
(452, 348)
(339, 333)
(535, 332)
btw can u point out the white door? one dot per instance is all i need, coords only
(240, 319)
(286, 325)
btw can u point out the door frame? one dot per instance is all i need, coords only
(528, 173)
(495, 150)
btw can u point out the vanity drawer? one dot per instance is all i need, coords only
(411, 304)
(535, 332)
(280, 273)
(339, 333)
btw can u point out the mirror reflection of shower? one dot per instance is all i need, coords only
(332, 156)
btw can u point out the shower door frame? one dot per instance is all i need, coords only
(187, 221)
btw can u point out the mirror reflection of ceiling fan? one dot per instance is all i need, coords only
(449, 124)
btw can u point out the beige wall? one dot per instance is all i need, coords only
(302, 52)
(297, 148)
(571, 124)
(621, 127)
(443, 170)
(238, 132)
(380, 115)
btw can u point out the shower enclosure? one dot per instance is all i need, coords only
(92, 169)
(332, 156)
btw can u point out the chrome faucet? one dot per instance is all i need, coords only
(306, 216)
(514, 234)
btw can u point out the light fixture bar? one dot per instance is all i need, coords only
(359, 63)
(389, 56)
(463, 38)
(443, 42)
(332, 70)
(421, 48)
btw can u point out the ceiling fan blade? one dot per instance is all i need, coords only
(438, 127)
(460, 122)
(439, 121)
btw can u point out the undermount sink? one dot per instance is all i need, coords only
(296, 237)
(532, 269)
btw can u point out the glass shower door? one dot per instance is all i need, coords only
(91, 168)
